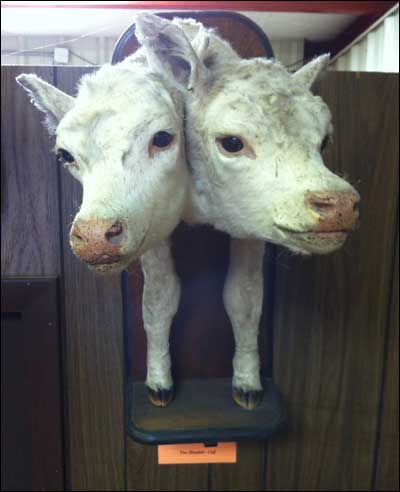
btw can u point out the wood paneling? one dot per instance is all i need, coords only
(387, 475)
(94, 362)
(29, 201)
(31, 402)
(247, 474)
(145, 474)
(335, 355)
(331, 312)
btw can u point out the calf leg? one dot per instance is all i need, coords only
(243, 295)
(160, 303)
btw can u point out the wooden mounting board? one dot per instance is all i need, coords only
(203, 411)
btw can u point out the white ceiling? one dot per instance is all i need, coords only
(108, 22)
(314, 27)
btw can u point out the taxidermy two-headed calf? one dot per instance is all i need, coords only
(254, 135)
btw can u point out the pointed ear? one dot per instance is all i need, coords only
(170, 52)
(47, 98)
(308, 74)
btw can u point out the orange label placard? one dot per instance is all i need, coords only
(186, 454)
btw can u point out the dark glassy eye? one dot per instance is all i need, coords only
(325, 142)
(232, 144)
(162, 139)
(64, 156)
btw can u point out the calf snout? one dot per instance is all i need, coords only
(98, 241)
(334, 211)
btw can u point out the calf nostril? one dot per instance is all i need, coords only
(114, 234)
(323, 208)
(77, 238)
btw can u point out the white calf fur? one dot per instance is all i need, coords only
(274, 188)
(243, 295)
(258, 193)
(160, 302)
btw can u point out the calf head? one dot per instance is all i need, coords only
(121, 137)
(255, 137)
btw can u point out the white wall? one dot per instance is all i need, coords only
(377, 51)
(85, 51)
(289, 52)
(98, 50)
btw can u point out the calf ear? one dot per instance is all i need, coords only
(308, 74)
(47, 98)
(170, 52)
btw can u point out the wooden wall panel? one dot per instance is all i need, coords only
(29, 190)
(330, 325)
(31, 402)
(331, 312)
(32, 442)
(144, 474)
(387, 475)
(94, 362)
(247, 474)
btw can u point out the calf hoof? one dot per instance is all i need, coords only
(248, 400)
(161, 398)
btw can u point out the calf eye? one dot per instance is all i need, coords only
(162, 139)
(232, 144)
(64, 156)
(325, 142)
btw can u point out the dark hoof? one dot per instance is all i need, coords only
(160, 398)
(248, 400)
